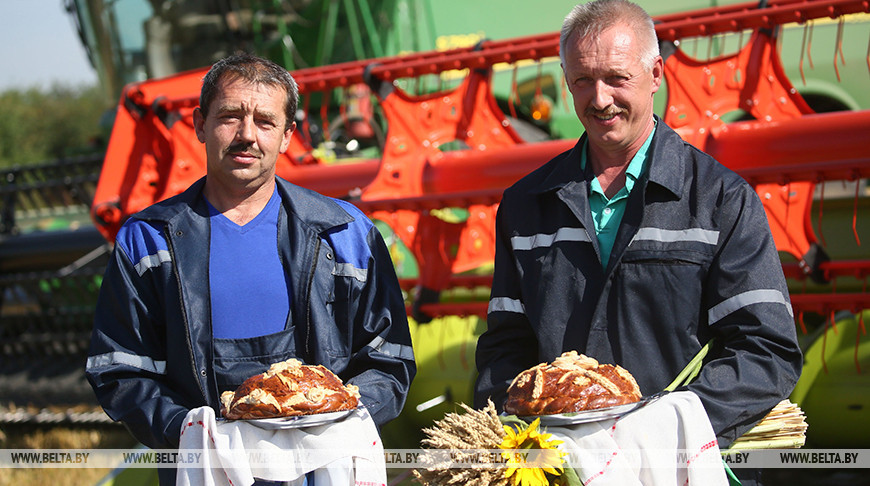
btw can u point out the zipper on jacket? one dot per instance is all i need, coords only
(308, 301)
(184, 318)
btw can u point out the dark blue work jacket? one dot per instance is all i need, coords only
(152, 356)
(693, 259)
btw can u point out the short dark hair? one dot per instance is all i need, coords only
(251, 68)
(593, 18)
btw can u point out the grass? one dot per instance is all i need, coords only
(29, 437)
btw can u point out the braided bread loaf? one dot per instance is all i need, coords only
(571, 383)
(287, 389)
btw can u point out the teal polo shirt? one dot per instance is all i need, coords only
(607, 213)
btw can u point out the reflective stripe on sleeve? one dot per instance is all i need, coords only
(699, 235)
(542, 240)
(400, 351)
(506, 304)
(739, 301)
(121, 358)
(349, 270)
(151, 261)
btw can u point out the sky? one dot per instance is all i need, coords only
(39, 46)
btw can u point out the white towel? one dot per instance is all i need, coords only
(346, 452)
(669, 441)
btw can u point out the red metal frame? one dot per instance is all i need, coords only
(153, 152)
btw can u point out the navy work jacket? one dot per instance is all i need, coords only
(693, 259)
(152, 357)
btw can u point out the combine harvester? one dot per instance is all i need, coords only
(426, 142)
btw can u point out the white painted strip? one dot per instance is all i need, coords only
(739, 301)
(699, 235)
(400, 351)
(122, 358)
(152, 261)
(542, 240)
(505, 304)
(348, 270)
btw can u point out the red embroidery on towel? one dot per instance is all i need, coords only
(703, 449)
(612, 456)
(601, 472)
(210, 438)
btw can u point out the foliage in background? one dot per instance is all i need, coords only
(38, 125)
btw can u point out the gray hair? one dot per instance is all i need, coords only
(595, 17)
(253, 69)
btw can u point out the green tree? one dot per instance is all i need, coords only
(45, 124)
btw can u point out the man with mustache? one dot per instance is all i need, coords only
(242, 270)
(635, 248)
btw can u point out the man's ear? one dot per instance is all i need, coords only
(288, 132)
(658, 73)
(199, 124)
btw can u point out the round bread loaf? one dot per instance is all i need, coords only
(571, 383)
(287, 389)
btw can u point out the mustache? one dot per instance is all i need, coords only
(609, 111)
(244, 147)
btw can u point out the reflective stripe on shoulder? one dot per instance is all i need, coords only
(698, 235)
(349, 270)
(121, 358)
(505, 304)
(542, 240)
(152, 261)
(739, 301)
(400, 351)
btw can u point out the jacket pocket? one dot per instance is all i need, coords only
(665, 286)
(667, 257)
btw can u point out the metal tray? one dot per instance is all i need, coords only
(299, 421)
(596, 415)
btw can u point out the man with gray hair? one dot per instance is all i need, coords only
(635, 248)
(243, 270)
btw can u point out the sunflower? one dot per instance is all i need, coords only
(530, 455)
